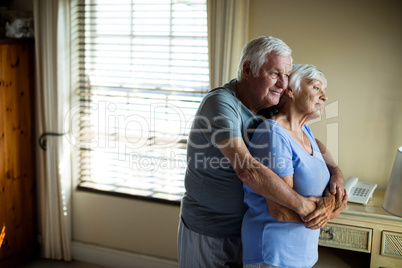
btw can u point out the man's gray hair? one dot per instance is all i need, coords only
(256, 52)
(303, 71)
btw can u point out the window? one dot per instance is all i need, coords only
(143, 69)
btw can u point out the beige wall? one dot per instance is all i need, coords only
(357, 44)
(126, 224)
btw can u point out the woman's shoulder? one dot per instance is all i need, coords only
(308, 131)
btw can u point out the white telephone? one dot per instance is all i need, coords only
(359, 192)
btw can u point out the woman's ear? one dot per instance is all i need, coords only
(289, 92)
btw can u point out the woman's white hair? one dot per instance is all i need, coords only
(256, 52)
(303, 71)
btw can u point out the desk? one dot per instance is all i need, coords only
(367, 228)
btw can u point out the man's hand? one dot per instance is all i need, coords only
(308, 206)
(340, 203)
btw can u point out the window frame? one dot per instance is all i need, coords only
(94, 189)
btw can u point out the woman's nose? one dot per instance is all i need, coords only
(324, 96)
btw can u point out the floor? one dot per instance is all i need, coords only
(44, 263)
(338, 258)
(329, 258)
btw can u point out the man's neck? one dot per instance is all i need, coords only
(244, 97)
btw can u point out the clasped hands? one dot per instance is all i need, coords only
(324, 208)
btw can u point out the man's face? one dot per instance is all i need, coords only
(268, 87)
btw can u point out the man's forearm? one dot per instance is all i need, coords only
(282, 213)
(267, 183)
(336, 180)
(335, 171)
(261, 179)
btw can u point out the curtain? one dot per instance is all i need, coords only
(227, 34)
(53, 95)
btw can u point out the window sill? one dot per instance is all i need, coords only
(126, 193)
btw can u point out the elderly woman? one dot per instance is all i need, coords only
(276, 236)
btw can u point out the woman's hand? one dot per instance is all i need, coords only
(328, 207)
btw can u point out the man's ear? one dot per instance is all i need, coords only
(247, 69)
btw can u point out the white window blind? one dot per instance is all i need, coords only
(143, 69)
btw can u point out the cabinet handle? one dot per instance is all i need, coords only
(330, 231)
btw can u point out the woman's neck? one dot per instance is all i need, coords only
(293, 121)
(290, 119)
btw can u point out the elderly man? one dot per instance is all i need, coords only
(219, 162)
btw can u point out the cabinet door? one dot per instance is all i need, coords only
(2, 162)
(17, 173)
(346, 237)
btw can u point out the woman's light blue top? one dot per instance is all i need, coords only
(279, 243)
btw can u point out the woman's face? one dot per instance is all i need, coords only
(311, 97)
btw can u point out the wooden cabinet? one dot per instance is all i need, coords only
(367, 228)
(17, 161)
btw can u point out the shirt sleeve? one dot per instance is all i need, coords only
(271, 148)
(219, 118)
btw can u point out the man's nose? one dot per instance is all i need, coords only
(282, 82)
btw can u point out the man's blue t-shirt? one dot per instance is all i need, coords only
(279, 243)
(213, 202)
